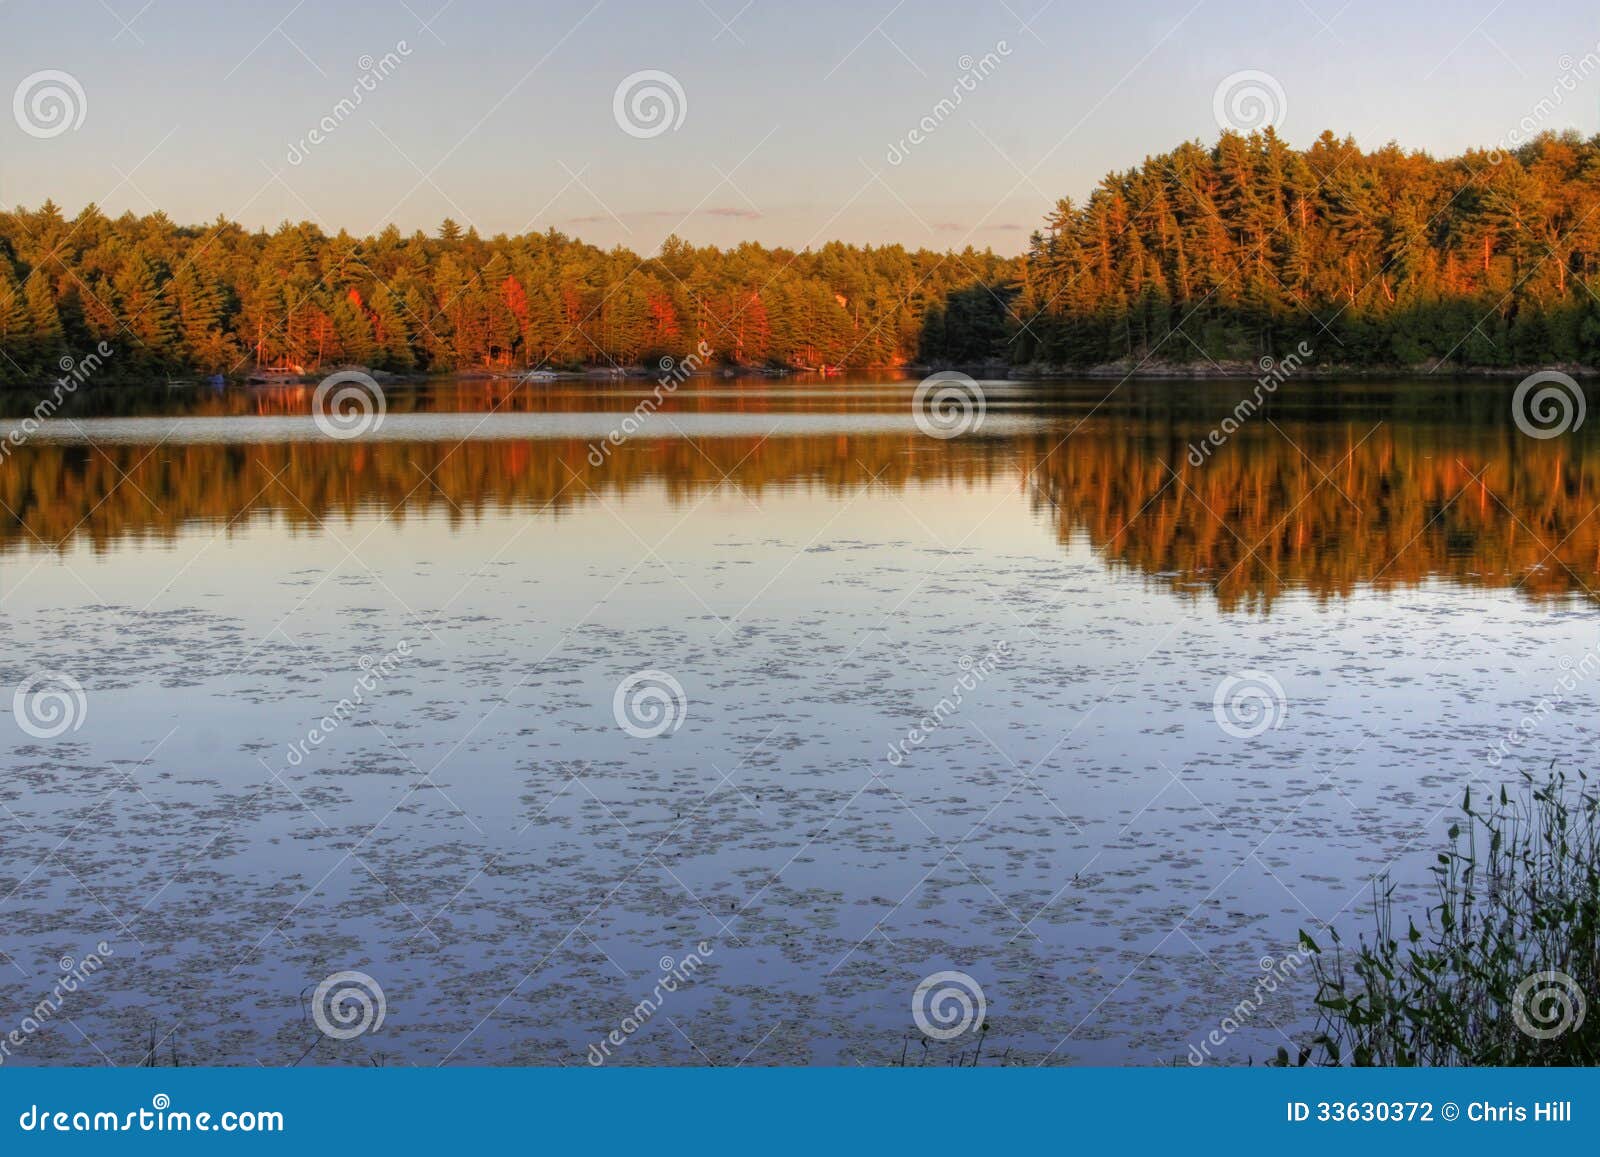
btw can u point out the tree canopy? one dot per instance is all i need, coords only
(1390, 257)
(221, 299)
(1203, 254)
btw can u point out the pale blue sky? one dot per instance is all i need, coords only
(502, 113)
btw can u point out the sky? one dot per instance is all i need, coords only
(788, 123)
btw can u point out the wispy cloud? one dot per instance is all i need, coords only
(714, 211)
(958, 227)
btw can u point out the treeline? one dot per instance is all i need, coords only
(1382, 258)
(1221, 254)
(222, 300)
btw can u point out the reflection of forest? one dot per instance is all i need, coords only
(1337, 507)
(504, 395)
(1342, 504)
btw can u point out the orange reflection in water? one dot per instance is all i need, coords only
(1314, 505)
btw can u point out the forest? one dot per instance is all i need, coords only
(1388, 258)
(220, 299)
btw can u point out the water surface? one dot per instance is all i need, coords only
(514, 868)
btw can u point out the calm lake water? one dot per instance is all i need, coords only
(495, 840)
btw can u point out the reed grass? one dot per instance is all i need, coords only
(1505, 963)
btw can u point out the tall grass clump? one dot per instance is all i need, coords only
(1507, 961)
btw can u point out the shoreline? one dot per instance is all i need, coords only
(1135, 372)
(1251, 371)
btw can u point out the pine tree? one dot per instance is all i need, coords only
(353, 337)
(391, 334)
(46, 342)
(146, 313)
(15, 326)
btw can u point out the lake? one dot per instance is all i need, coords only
(778, 697)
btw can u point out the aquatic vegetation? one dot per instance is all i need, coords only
(1502, 970)
(821, 876)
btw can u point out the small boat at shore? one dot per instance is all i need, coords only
(275, 376)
